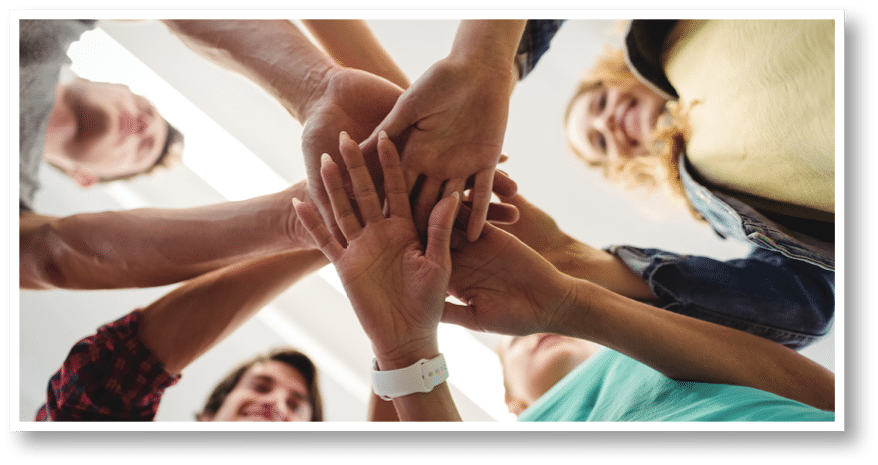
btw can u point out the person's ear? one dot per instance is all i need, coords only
(84, 179)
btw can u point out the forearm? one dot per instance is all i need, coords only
(381, 410)
(352, 44)
(493, 42)
(272, 53)
(153, 247)
(685, 348)
(187, 322)
(583, 261)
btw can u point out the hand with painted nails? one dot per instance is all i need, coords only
(396, 285)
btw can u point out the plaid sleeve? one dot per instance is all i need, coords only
(538, 33)
(109, 376)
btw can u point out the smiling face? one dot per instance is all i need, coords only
(268, 391)
(533, 364)
(103, 130)
(607, 123)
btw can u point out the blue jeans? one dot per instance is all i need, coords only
(766, 293)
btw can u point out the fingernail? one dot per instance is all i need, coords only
(325, 158)
(343, 135)
(382, 135)
(456, 195)
(296, 202)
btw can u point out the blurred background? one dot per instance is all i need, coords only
(240, 143)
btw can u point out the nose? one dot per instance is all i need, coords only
(605, 122)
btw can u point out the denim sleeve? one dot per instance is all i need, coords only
(538, 33)
(766, 294)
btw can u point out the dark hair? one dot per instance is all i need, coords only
(291, 357)
(170, 155)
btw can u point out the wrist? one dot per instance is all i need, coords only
(311, 91)
(404, 355)
(491, 43)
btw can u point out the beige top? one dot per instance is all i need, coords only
(765, 121)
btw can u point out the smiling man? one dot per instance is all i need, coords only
(99, 131)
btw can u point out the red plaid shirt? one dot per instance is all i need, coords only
(108, 376)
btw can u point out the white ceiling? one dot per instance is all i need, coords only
(313, 315)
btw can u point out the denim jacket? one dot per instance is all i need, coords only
(777, 292)
(784, 290)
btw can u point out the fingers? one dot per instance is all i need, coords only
(364, 189)
(314, 224)
(454, 185)
(400, 118)
(395, 191)
(439, 230)
(345, 217)
(504, 186)
(427, 197)
(481, 197)
(460, 315)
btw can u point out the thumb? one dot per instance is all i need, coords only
(400, 118)
(460, 315)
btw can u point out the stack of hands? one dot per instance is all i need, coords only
(398, 284)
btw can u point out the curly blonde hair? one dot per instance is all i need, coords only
(658, 171)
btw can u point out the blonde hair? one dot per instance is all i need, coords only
(657, 171)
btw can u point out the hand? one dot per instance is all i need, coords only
(507, 287)
(535, 228)
(453, 120)
(396, 286)
(355, 102)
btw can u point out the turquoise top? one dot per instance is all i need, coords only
(612, 387)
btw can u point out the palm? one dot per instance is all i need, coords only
(354, 102)
(386, 263)
(396, 285)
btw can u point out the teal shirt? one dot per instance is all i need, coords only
(612, 387)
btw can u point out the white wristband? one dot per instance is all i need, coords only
(423, 376)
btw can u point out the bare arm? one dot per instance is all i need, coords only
(511, 290)
(152, 247)
(352, 44)
(381, 410)
(191, 319)
(272, 53)
(540, 232)
(686, 348)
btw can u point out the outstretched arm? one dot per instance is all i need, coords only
(351, 43)
(540, 232)
(510, 289)
(184, 324)
(395, 284)
(322, 95)
(152, 247)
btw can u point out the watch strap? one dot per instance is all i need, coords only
(422, 376)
